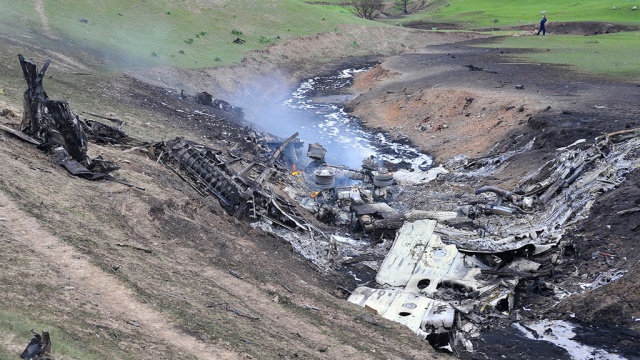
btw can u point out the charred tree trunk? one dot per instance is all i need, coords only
(50, 122)
(33, 120)
(67, 131)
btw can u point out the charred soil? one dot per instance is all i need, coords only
(460, 102)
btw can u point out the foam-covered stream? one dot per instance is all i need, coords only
(316, 111)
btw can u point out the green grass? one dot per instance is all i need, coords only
(483, 13)
(190, 34)
(177, 33)
(613, 55)
(63, 345)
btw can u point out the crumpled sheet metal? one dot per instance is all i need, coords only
(470, 241)
(568, 186)
(414, 215)
(421, 263)
(421, 271)
(421, 314)
(317, 249)
(410, 178)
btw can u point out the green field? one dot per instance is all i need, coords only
(200, 34)
(188, 34)
(500, 13)
(608, 54)
(615, 55)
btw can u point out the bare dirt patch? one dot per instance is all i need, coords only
(39, 7)
(435, 99)
(265, 74)
(85, 280)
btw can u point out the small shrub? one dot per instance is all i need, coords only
(154, 54)
(181, 52)
(265, 40)
(281, 299)
(189, 41)
(495, 21)
(217, 59)
(236, 32)
(168, 13)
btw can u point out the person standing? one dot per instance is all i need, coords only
(542, 28)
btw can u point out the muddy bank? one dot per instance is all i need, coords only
(460, 100)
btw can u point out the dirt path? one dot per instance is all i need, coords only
(118, 304)
(39, 7)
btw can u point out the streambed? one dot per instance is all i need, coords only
(315, 109)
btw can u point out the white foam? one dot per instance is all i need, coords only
(561, 335)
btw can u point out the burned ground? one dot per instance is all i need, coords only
(435, 101)
(166, 271)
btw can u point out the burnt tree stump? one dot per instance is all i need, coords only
(33, 121)
(67, 131)
(50, 122)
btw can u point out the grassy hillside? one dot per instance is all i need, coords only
(491, 13)
(198, 34)
(614, 55)
(188, 34)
